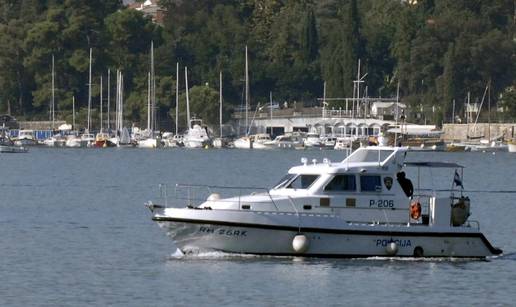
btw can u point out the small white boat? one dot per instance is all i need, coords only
(360, 207)
(329, 141)
(87, 140)
(196, 136)
(171, 140)
(312, 139)
(26, 138)
(7, 145)
(55, 141)
(261, 140)
(73, 141)
(12, 149)
(150, 142)
(286, 141)
(123, 138)
(222, 143)
(244, 142)
(511, 146)
(256, 141)
(486, 146)
(343, 144)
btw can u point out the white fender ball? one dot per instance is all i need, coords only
(391, 249)
(300, 243)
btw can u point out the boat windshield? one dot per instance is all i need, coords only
(368, 155)
(295, 181)
(302, 182)
(284, 181)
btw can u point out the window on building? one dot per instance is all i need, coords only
(370, 183)
(302, 182)
(341, 183)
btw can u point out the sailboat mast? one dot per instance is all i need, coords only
(73, 112)
(323, 102)
(119, 101)
(220, 101)
(153, 90)
(247, 95)
(117, 93)
(177, 98)
(453, 112)
(149, 102)
(468, 115)
(187, 99)
(89, 95)
(397, 112)
(53, 94)
(108, 96)
(358, 90)
(489, 112)
(121, 113)
(101, 125)
(270, 97)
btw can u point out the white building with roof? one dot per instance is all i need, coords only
(387, 110)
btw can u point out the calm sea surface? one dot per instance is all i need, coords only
(74, 232)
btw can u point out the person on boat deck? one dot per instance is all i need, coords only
(405, 184)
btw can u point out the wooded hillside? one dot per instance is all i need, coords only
(437, 50)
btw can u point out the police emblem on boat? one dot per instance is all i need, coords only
(388, 182)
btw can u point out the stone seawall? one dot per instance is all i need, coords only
(459, 132)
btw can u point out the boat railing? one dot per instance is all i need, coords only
(424, 200)
(473, 224)
(193, 195)
(292, 202)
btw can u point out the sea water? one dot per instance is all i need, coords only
(74, 232)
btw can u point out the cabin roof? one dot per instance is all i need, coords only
(364, 159)
(433, 164)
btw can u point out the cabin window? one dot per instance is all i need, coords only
(302, 182)
(370, 183)
(284, 181)
(341, 183)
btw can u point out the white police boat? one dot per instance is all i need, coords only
(360, 207)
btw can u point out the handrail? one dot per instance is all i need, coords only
(474, 222)
(191, 197)
(217, 187)
(297, 213)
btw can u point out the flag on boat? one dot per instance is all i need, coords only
(457, 180)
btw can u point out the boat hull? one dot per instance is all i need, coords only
(512, 147)
(248, 237)
(25, 142)
(194, 144)
(12, 149)
(243, 143)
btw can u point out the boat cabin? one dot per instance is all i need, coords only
(365, 180)
(369, 186)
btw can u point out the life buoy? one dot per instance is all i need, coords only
(415, 210)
